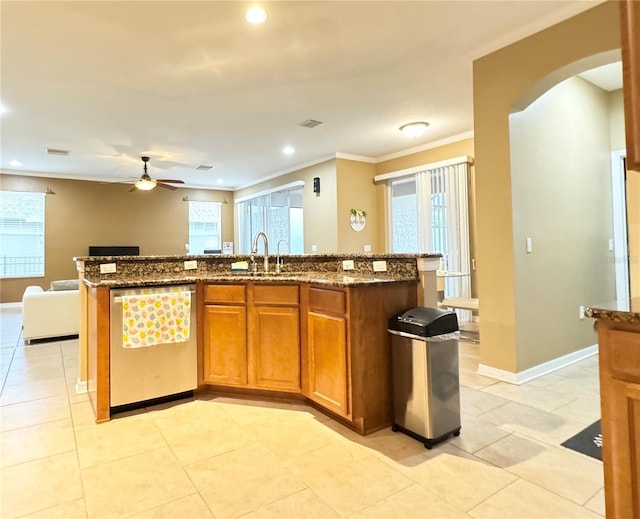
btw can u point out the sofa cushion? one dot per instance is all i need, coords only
(64, 284)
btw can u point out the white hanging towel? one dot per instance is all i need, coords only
(151, 319)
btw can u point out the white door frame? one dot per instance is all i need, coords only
(620, 252)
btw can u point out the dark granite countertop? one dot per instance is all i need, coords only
(323, 278)
(622, 311)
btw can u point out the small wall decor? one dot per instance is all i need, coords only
(358, 219)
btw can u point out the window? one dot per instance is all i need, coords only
(21, 234)
(278, 213)
(204, 227)
(404, 216)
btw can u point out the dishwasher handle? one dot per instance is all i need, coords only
(118, 299)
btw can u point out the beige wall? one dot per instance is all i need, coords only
(356, 190)
(512, 75)
(616, 120)
(91, 213)
(320, 210)
(561, 193)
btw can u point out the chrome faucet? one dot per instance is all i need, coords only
(254, 249)
(278, 264)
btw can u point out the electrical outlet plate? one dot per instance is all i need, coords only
(314, 248)
(347, 265)
(581, 312)
(190, 265)
(367, 248)
(380, 266)
(107, 268)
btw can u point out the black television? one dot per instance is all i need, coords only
(114, 250)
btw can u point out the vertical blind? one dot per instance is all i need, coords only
(21, 234)
(278, 214)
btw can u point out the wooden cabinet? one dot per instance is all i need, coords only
(346, 358)
(620, 401)
(252, 336)
(328, 356)
(225, 335)
(274, 338)
(630, 32)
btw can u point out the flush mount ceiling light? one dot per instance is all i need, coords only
(414, 130)
(255, 15)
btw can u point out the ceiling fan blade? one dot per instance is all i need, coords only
(166, 186)
(170, 181)
(134, 188)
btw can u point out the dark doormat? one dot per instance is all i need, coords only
(587, 441)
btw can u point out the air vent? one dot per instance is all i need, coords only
(310, 123)
(202, 167)
(53, 151)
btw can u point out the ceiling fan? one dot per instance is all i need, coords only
(146, 183)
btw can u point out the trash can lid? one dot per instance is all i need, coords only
(425, 321)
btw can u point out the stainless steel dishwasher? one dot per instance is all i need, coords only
(161, 370)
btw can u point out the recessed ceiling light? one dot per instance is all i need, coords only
(15, 163)
(255, 15)
(414, 130)
(219, 181)
(288, 150)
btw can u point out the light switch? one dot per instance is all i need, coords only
(380, 266)
(529, 244)
(314, 248)
(107, 268)
(367, 248)
(347, 265)
(610, 244)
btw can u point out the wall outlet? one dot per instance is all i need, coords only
(314, 248)
(380, 266)
(610, 244)
(581, 312)
(190, 265)
(367, 248)
(107, 268)
(347, 265)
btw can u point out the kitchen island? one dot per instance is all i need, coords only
(618, 325)
(313, 332)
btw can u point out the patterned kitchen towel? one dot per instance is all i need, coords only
(151, 319)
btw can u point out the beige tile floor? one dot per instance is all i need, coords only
(222, 458)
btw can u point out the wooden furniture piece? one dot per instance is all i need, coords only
(619, 347)
(252, 336)
(345, 350)
(630, 33)
(225, 334)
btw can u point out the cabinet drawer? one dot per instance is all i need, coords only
(276, 294)
(624, 355)
(327, 301)
(225, 293)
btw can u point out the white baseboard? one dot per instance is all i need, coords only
(17, 304)
(81, 387)
(541, 369)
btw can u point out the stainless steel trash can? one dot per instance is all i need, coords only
(426, 382)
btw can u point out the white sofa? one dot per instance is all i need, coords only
(50, 314)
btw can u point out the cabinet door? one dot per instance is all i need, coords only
(275, 348)
(225, 344)
(328, 362)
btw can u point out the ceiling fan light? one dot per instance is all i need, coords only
(414, 130)
(145, 185)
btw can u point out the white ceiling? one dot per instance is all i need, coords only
(192, 83)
